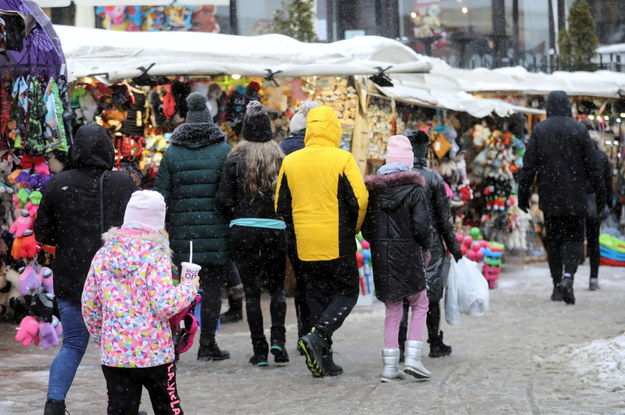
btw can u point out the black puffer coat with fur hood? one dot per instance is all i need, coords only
(397, 226)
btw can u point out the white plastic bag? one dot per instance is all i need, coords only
(467, 291)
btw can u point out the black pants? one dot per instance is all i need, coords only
(565, 244)
(332, 291)
(123, 389)
(301, 304)
(593, 227)
(260, 257)
(211, 280)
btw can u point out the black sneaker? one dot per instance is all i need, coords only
(54, 407)
(279, 352)
(437, 347)
(566, 288)
(312, 346)
(212, 352)
(259, 360)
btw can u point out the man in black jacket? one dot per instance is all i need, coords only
(561, 157)
(78, 205)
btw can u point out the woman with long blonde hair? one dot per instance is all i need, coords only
(257, 236)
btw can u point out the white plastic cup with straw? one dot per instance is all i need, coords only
(190, 271)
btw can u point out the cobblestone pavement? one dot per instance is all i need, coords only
(501, 363)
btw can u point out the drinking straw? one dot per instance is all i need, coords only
(191, 251)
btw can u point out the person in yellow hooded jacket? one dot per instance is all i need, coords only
(322, 197)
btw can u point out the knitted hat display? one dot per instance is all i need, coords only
(420, 142)
(146, 208)
(256, 123)
(399, 150)
(298, 122)
(198, 110)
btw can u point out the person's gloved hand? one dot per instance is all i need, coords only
(27, 331)
(457, 255)
(524, 204)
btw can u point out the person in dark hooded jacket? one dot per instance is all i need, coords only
(78, 205)
(442, 230)
(561, 158)
(188, 179)
(593, 221)
(397, 226)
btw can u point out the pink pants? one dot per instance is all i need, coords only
(394, 309)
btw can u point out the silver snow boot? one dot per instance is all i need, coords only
(391, 361)
(413, 350)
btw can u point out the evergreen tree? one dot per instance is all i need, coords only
(296, 18)
(578, 44)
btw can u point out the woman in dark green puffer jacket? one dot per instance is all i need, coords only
(188, 178)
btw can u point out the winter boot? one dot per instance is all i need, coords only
(437, 347)
(312, 346)
(278, 335)
(210, 351)
(54, 407)
(412, 362)
(556, 294)
(261, 350)
(391, 361)
(327, 362)
(594, 284)
(566, 288)
(235, 306)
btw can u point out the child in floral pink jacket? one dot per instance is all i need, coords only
(126, 303)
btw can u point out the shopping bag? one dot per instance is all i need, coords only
(452, 304)
(467, 291)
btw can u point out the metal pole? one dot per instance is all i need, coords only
(515, 31)
(234, 21)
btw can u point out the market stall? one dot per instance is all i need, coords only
(34, 128)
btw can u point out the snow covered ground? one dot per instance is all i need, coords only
(527, 355)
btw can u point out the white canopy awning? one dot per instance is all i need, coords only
(116, 55)
(111, 56)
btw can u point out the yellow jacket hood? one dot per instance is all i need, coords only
(323, 128)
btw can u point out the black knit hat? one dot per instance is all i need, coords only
(198, 110)
(256, 123)
(419, 141)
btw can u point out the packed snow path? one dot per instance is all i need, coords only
(527, 355)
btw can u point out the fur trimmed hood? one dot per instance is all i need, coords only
(388, 191)
(380, 181)
(197, 135)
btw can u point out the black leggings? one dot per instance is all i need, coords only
(301, 304)
(260, 256)
(123, 389)
(593, 227)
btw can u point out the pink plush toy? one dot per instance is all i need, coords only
(22, 224)
(47, 279)
(27, 331)
(30, 280)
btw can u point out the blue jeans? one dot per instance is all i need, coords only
(75, 340)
